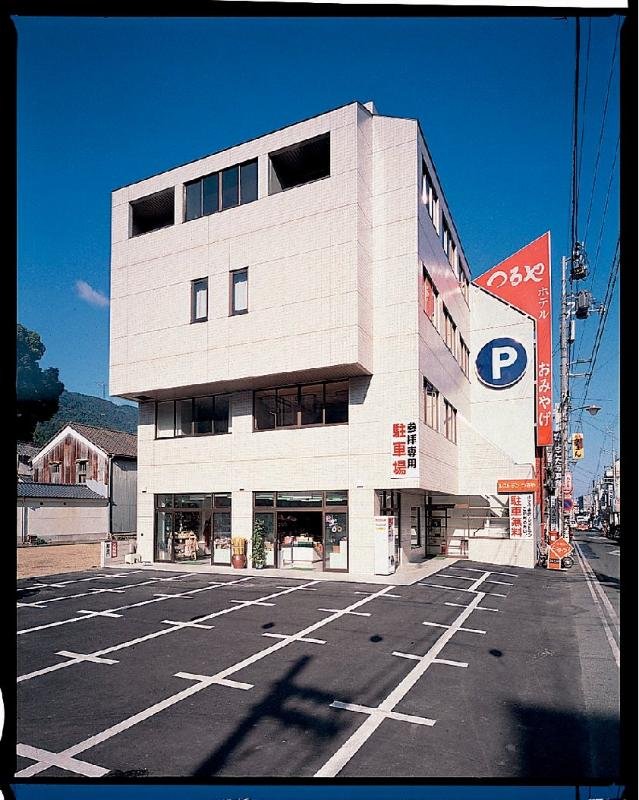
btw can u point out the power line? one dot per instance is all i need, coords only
(585, 94)
(601, 131)
(575, 177)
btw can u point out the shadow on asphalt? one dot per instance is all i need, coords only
(274, 706)
(26, 593)
(567, 746)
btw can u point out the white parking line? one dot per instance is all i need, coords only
(352, 745)
(110, 612)
(492, 572)
(600, 601)
(356, 613)
(203, 683)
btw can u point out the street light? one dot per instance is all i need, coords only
(592, 409)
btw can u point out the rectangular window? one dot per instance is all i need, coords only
(210, 194)
(298, 406)
(200, 300)
(431, 299)
(221, 190)
(431, 405)
(299, 164)
(221, 414)
(248, 182)
(184, 417)
(451, 421)
(81, 471)
(152, 212)
(415, 527)
(264, 413)
(450, 330)
(433, 209)
(464, 356)
(287, 405)
(446, 237)
(54, 468)
(463, 282)
(239, 291)
(203, 415)
(312, 404)
(336, 402)
(192, 416)
(165, 419)
(429, 196)
(230, 187)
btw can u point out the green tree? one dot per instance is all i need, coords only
(38, 390)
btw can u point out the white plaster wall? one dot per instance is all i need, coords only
(308, 305)
(58, 519)
(507, 552)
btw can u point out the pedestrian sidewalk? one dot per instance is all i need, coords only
(406, 574)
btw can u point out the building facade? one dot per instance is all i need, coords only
(102, 459)
(295, 317)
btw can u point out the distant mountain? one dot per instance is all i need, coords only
(88, 410)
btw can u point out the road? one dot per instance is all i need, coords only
(476, 672)
(594, 584)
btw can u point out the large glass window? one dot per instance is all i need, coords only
(221, 190)
(305, 530)
(193, 527)
(431, 300)
(295, 406)
(192, 416)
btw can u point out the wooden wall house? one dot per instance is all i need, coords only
(103, 459)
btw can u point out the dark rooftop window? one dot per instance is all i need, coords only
(300, 163)
(152, 212)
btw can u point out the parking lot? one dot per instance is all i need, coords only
(148, 673)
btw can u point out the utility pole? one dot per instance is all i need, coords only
(564, 401)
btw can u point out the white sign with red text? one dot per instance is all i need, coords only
(405, 449)
(521, 516)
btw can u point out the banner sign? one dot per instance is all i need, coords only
(521, 516)
(405, 450)
(523, 280)
(516, 485)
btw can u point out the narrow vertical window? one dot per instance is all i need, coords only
(431, 405)
(431, 298)
(230, 187)
(199, 300)
(248, 182)
(81, 471)
(165, 420)
(210, 194)
(451, 422)
(193, 201)
(239, 291)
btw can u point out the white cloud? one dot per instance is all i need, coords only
(91, 295)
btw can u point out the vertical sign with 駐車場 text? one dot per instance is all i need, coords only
(523, 280)
(521, 516)
(404, 450)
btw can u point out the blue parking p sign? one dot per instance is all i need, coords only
(501, 363)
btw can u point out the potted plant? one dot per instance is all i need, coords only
(238, 552)
(258, 545)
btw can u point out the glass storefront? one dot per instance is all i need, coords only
(304, 530)
(193, 527)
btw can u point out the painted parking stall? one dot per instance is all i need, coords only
(279, 678)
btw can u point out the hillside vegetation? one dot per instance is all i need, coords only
(88, 410)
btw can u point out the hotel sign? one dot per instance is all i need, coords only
(405, 449)
(523, 280)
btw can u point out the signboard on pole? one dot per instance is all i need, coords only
(516, 485)
(521, 516)
(523, 280)
(405, 449)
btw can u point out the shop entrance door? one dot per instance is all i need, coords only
(436, 529)
(300, 540)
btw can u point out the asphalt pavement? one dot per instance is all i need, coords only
(477, 671)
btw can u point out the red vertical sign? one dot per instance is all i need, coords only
(523, 280)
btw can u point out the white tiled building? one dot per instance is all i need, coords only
(275, 308)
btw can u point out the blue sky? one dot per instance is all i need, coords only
(105, 102)
(292, 792)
